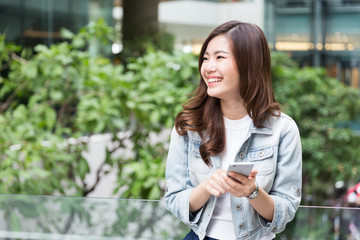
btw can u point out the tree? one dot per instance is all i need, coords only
(52, 102)
(140, 29)
(140, 19)
(322, 108)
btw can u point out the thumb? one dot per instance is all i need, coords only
(253, 174)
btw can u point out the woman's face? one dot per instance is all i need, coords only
(219, 70)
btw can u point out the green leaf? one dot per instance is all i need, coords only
(57, 95)
(83, 168)
(41, 48)
(66, 33)
(15, 224)
(155, 192)
(27, 209)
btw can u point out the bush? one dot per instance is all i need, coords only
(322, 108)
(52, 102)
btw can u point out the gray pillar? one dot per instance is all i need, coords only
(317, 31)
(270, 27)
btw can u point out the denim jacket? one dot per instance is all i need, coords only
(276, 153)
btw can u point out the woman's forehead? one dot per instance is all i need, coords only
(219, 44)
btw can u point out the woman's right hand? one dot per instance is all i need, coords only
(216, 185)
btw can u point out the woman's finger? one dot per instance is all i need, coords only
(253, 174)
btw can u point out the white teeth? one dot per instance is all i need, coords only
(211, 80)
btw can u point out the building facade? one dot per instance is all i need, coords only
(322, 33)
(30, 22)
(313, 32)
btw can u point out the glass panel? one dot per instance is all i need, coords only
(49, 217)
(210, 0)
(46, 217)
(293, 27)
(343, 28)
(30, 22)
(313, 223)
(342, 41)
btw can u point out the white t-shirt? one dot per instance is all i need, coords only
(221, 224)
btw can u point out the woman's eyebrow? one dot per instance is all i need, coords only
(217, 52)
(221, 51)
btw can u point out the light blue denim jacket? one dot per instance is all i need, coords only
(276, 152)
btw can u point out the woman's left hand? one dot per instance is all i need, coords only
(240, 185)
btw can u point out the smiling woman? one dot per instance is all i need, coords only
(219, 71)
(234, 117)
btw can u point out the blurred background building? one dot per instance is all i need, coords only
(30, 22)
(317, 33)
(313, 32)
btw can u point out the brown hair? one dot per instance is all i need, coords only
(203, 114)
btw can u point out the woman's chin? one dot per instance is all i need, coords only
(213, 93)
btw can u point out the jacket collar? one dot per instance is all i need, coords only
(267, 129)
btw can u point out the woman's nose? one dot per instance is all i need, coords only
(211, 67)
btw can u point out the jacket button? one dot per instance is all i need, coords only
(242, 155)
(261, 153)
(241, 225)
(238, 207)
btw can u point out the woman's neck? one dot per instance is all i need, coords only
(233, 110)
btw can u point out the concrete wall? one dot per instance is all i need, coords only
(195, 19)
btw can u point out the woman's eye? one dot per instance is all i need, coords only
(205, 58)
(220, 57)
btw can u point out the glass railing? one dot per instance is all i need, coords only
(318, 222)
(75, 218)
(210, 0)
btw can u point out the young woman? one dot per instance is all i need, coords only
(234, 117)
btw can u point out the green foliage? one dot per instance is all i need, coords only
(52, 102)
(138, 47)
(322, 107)
(39, 99)
(311, 224)
(89, 218)
(159, 84)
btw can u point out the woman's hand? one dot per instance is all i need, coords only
(239, 185)
(220, 183)
(216, 184)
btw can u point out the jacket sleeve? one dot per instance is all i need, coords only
(286, 190)
(178, 184)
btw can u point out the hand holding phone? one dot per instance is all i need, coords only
(243, 168)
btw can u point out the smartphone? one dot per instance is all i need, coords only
(243, 168)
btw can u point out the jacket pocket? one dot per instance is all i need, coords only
(197, 164)
(263, 160)
(199, 171)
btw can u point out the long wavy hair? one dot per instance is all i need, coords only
(203, 113)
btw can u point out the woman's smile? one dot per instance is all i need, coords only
(219, 70)
(214, 81)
